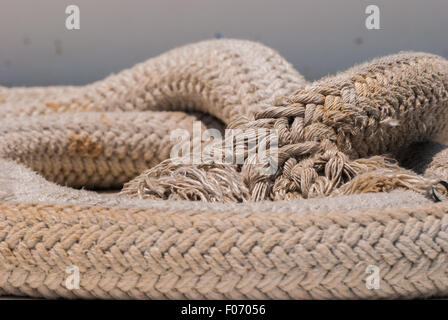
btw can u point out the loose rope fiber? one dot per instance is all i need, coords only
(357, 142)
(332, 131)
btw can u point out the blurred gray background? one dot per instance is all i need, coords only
(319, 37)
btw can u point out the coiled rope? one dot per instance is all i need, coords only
(351, 133)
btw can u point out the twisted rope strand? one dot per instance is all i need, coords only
(338, 136)
(338, 129)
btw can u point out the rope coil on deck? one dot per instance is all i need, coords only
(348, 140)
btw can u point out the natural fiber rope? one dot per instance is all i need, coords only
(332, 137)
(226, 79)
(329, 128)
(136, 253)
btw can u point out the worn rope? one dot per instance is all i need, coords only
(98, 147)
(333, 134)
(158, 254)
(338, 137)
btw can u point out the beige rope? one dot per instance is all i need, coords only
(333, 137)
(226, 79)
(157, 254)
(332, 132)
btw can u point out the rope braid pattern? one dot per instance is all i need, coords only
(333, 135)
(98, 147)
(94, 150)
(141, 254)
(223, 78)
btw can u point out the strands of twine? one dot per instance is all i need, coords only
(343, 135)
(333, 135)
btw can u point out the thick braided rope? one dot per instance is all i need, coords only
(375, 108)
(131, 249)
(332, 133)
(91, 149)
(137, 253)
(84, 141)
(223, 78)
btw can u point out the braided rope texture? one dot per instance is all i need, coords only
(105, 133)
(333, 137)
(334, 134)
(142, 254)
